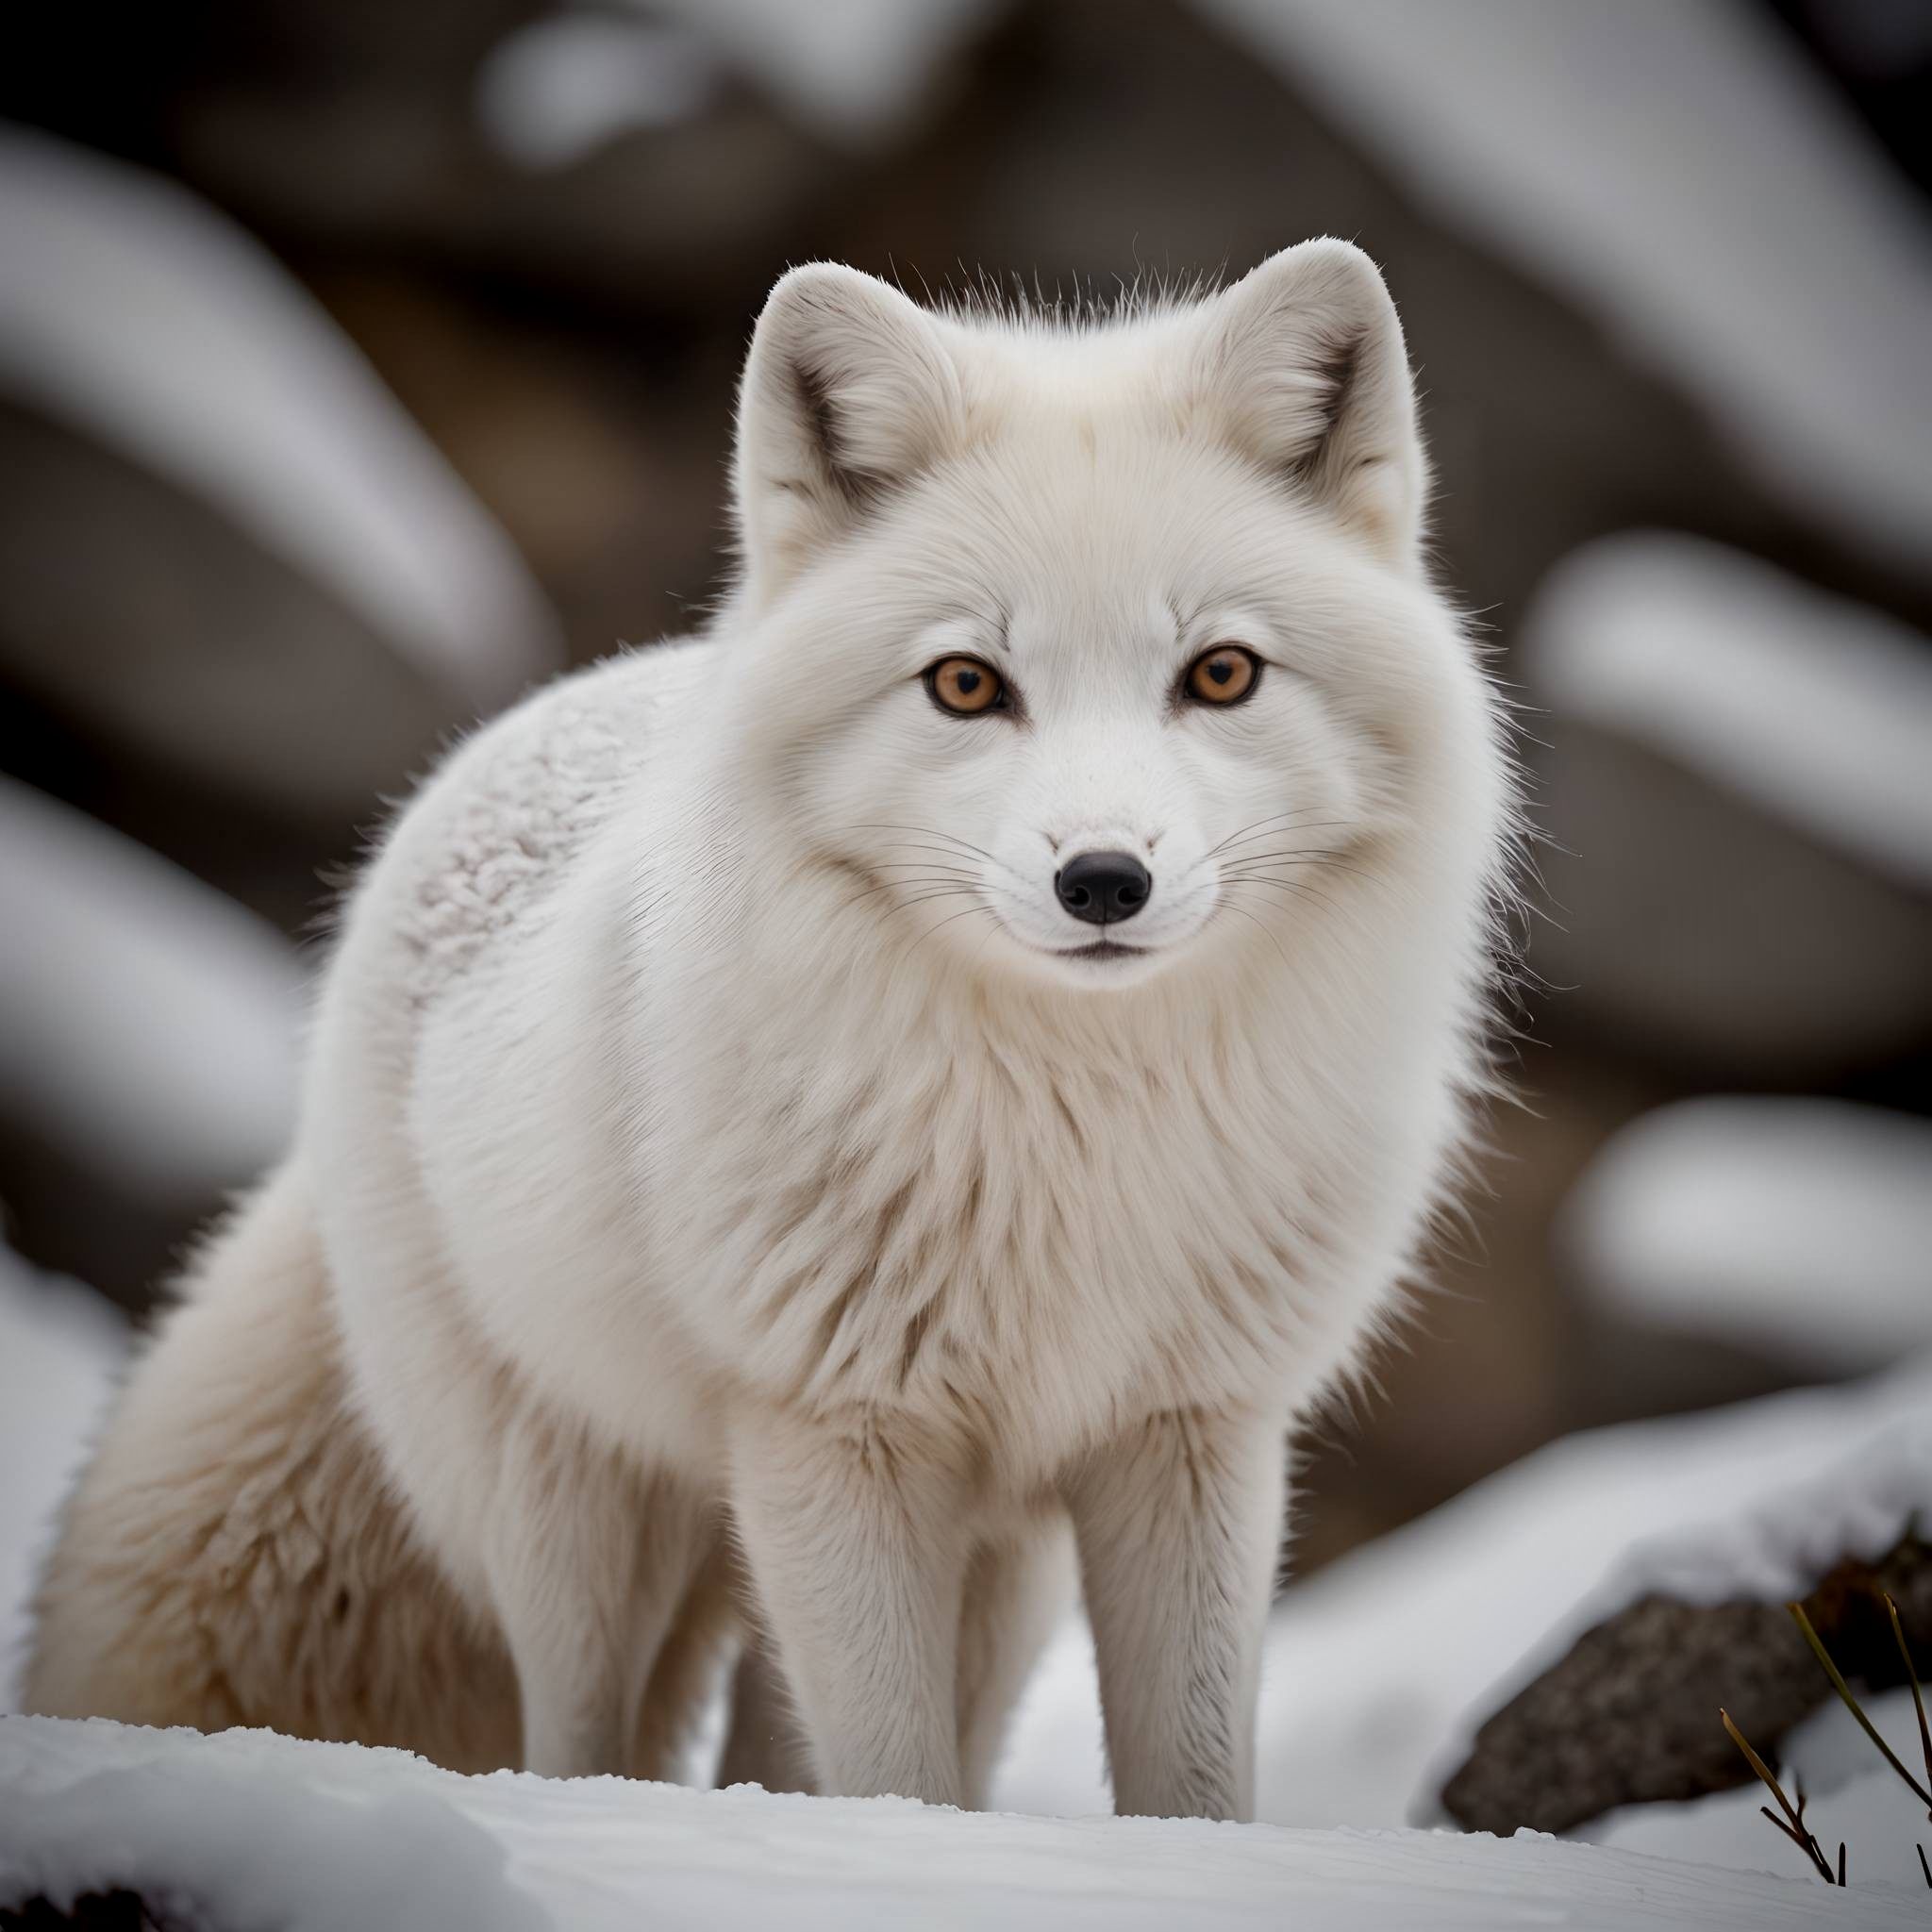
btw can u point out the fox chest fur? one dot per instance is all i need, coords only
(1034, 1246)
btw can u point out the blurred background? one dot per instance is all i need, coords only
(363, 362)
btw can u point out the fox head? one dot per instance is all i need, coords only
(1084, 650)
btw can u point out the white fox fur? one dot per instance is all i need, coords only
(724, 1202)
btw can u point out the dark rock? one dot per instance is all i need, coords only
(1630, 1714)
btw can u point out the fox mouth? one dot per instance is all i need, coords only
(1100, 950)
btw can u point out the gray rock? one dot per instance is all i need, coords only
(1630, 1714)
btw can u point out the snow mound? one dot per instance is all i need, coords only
(1757, 1503)
(1797, 1228)
(136, 310)
(227, 1846)
(251, 1829)
(1750, 238)
(1789, 1535)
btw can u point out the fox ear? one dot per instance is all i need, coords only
(849, 392)
(1304, 357)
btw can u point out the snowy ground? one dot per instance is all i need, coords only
(1379, 1669)
(249, 1829)
(1377, 1672)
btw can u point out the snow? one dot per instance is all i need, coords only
(1789, 1532)
(1798, 1228)
(251, 1839)
(61, 1349)
(1380, 1668)
(562, 86)
(251, 1829)
(151, 1022)
(133, 307)
(1853, 1798)
(853, 71)
(1377, 1670)
(1682, 175)
(1817, 711)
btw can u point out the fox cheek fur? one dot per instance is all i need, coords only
(808, 1128)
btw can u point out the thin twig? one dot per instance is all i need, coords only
(1795, 1830)
(1912, 1678)
(1852, 1704)
(1801, 1838)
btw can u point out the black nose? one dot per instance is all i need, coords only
(1102, 887)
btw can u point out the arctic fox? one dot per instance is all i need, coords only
(809, 1128)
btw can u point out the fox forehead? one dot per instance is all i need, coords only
(1081, 391)
(1070, 515)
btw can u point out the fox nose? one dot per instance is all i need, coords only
(1103, 887)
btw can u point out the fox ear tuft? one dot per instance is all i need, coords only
(849, 392)
(1305, 362)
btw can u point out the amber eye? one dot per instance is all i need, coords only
(1223, 675)
(964, 686)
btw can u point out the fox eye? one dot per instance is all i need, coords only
(1223, 675)
(965, 687)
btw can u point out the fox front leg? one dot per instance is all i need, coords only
(587, 1560)
(857, 1547)
(1179, 1525)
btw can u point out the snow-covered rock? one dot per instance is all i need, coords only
(1742, 865)
(250, 1838)
(1815, 710)
(1618, 1698)
(143, 326)
(1795, 1518)
(1743, 233)
(1797, 1229)
(1758, 1501)
(249, 1829)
